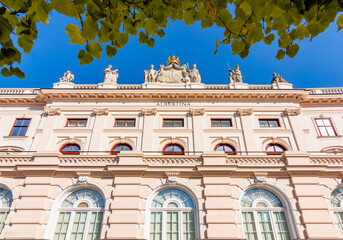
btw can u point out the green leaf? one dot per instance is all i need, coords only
(237, 46)
(17, 72)
(84, 57)
(90, 28)
(245, 8)
(292, 50)
(269, 39)
(150, 27)
(340, 22)
(284, 40)
(5, 29)
(26, 43)
(142, 38)
(74, 33)
(160, 33)
(217, 46)
(95, 50)
(6, 72)
(150, 43)
(65, 7)
(122, 39)
(111, 51)
(41, 9)
(280, 54)
(207, 22)
(189, 17)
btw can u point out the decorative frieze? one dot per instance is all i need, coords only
(100, 111)
(52, 111)
(244, 112)
(197, 111)
(292, 112)
(149, 112)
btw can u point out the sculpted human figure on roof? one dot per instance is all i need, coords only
(194, 74)
(278, 79)
(111, 76)
(67, 77)
(235, 75)
(150, 75)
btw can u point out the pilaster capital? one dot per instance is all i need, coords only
(149, 112)
(100, 111)
(197, 111)
(292, 112)
(244, 112)
(52, 111)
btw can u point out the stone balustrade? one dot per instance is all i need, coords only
(314, 91)
(172, 160)
(255, 160)
(17, 91)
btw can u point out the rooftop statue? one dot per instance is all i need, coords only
(278, 79)
(111, 76)
(172, 73)
(235, 75)
(67, 77)
(150, 75)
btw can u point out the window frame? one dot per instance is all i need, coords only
(6, 209)
(331, 125)
(70, 152)
(14, 125)
(118, 144)
(221, 119)
(77, 122)
(268, 122)
(173, 119)
(226, 144)
(125, 125)
(275, 152)
(173, 152)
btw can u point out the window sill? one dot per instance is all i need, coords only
(338, 136)
(15, 137)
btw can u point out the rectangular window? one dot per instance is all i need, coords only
(125, 123)
(221, 123)
(20, 127)
(172, 122)
(269, 123)
(325, 127)
(76, 122)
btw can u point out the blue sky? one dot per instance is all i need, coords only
(318, 63)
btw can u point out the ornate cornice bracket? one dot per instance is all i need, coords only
(172, 177)
(149, 112)
(52, 111)
(82, 177)
(100, 111)
(260, 177)
(244, 112)
(292, 112)
(197, 111)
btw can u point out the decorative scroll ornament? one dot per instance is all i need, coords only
(172, 177)
(67, 77)
(244, 112)
(149, 112)
(82, 177)
(173, 73)
(260, 177)
(235, 75)
(111, 76)
(292, 112)
(52, 111)
(100, 111)
(197, 112)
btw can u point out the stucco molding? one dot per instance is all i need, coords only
(172, 140)
(244, 112)
(70, 140)
(49, 111)
(124, 140)
(100, 111)
(292, 112)
(276, 140)
(197, 111)
(148, 112)
(225, 140)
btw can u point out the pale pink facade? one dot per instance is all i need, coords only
(211, 190)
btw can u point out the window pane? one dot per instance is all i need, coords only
(15, 131)
(3, 216)
(26, 122)
(178, 123)
(220, 148)
(62, 226)
(326, 122)
(126, 148)
(331, 132)
(82, 123)
(177, 149)
(228, 149)
(188, 226)
(319, 122)
(215, 123)
(323, 131)
(226, 123)
(22, 131)
(273, 123)
(339, 216)
(278, 149)
(120, 123)
(79, 225)
(156, 226)
(75, 149)
(281, 226)
(72, 123)
(265, 226)
(19, 122)
(169, 149)
(249, 226)
(95, 226)
(130, 123)
(172, 226)
(168, 123)
(263, 123)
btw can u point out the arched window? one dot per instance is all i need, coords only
(337, 204)
(120, 147)
(80, 216)
(228, 149)
(173, 149)
(6, 200)
(275, 149)
(70, 148)
(264, 216)
(172, 216)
